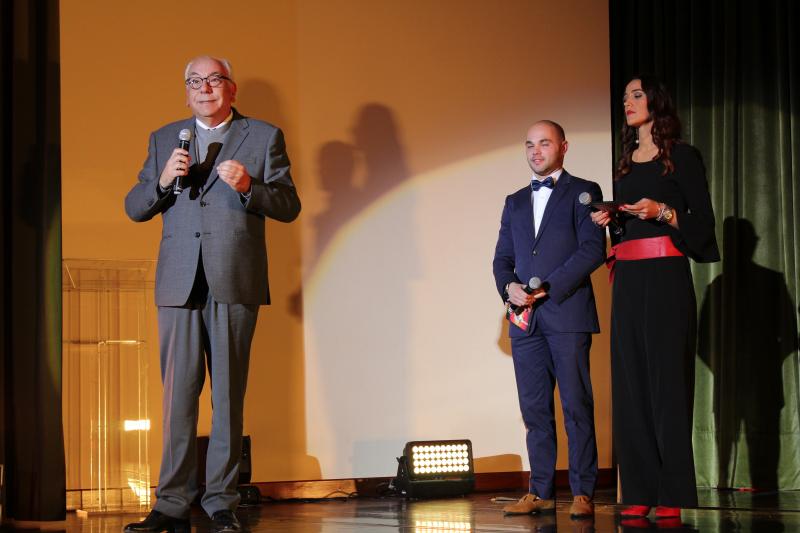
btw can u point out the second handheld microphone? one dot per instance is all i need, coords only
(533, 284)
(586, 199)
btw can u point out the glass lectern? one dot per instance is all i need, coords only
(105, 366)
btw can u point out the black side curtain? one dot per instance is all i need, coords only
(31, 436)
(733, 68)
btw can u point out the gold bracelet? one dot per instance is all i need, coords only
(665, 213)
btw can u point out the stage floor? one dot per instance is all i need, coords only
(719, 511)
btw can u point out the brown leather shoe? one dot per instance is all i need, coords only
(530, 504)
(582, 506)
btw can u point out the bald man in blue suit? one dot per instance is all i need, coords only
(547, 233)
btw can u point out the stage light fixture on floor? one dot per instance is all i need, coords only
(436, 468)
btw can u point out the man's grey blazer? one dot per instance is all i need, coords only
(229, 229)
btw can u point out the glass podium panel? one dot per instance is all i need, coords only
(105, 366)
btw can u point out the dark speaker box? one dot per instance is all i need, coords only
(250, 495)
(245, 464)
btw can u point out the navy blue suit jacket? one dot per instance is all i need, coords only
(567, 249)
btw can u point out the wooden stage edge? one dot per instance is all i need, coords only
(377, 486)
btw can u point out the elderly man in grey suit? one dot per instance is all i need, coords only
(213, 198)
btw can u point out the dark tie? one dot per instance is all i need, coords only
(547, 182)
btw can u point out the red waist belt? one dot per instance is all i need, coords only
(636, 249)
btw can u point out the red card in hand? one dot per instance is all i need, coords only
(522, 319)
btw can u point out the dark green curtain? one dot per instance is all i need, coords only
(31, 436)
(733, 68)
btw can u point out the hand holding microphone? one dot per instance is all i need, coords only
(601, 217)
(521, 296)
(183, 145)
(177, 164)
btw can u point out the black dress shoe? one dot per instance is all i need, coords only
(158, 522)
(225, 521)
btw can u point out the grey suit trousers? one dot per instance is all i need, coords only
(191, 336)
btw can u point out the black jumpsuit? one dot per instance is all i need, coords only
(653, 334)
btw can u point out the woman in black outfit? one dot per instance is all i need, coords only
(667, 218)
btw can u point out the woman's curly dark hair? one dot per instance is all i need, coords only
(666, 129)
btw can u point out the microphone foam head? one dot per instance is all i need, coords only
(185, 135)
(585, 198)
(534, 283)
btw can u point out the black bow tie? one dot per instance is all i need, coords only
(547, 182)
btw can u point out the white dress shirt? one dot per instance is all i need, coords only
(540, 197)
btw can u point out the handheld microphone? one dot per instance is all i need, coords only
(533, 284)
(183, 143)
(586, 199)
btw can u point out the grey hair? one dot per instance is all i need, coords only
(221, 60)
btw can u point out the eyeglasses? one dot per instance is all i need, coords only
(215, 80)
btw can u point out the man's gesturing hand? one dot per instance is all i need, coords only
(234, 174)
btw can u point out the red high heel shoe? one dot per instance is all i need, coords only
(668, 512)
(635, 511)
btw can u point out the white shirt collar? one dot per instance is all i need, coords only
(555, 175)
(218, 126)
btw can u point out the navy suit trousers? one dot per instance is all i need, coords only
(540, 361)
